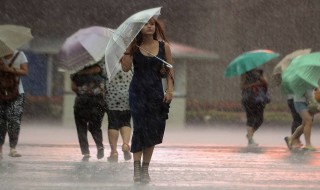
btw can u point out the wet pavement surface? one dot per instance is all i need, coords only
(188, 159)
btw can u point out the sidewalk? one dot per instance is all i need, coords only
(188, 159)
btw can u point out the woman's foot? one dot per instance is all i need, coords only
(309, 148)
(113, 157)
(14, 153)
(137, 171)
(86, 157)
(126, 151)
(145, 178)
(100, 152)
(288, 142)
(251, 142)
(299, 143)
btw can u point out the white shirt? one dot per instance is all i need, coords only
(21, 59)
(308, 94)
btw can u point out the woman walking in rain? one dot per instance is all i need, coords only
(301, 106)
(119, 116)
(149, 105)
(11, 111)
(89, 107)
(251, 82)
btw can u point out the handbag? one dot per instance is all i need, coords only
(9, 83)
(313, 104)
(262, 96)
(163, 71)
(165, 108)
(257, 95)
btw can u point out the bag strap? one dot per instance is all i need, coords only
(13, 59)
(168, 71)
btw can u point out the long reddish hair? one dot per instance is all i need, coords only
(158, 35)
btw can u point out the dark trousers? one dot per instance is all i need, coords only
(88, 114)
(297, 120)
(10, 120)
(254, 113)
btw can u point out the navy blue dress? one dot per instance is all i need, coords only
(146, 101)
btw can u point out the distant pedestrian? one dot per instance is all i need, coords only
(11, 111)
(301, 106)
(119, 116)
(149, 105)
(251, 82)
(89, 107)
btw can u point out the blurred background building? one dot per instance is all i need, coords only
(221, 29)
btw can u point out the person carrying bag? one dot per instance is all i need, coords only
(254, 98)
(12, 98)
(9, 83)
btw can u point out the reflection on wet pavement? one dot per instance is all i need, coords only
(173, 167)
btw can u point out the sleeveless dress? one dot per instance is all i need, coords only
(146, 101)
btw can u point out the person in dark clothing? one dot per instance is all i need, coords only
(89, 107)
(296, 119)
(147, 100)
(250, 82)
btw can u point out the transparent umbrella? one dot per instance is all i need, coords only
(123, 36)
(13, 37)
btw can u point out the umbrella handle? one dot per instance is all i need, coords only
(166, 63)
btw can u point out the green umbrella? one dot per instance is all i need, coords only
(248, 61)
(302, 74)
(284, 63)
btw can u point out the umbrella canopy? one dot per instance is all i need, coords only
(123, 36)
(84, 48)
(284, 63)
(302, 74)
(13, 37)
(248, 61)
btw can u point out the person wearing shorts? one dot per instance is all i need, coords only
(301, 106)
(119, 115)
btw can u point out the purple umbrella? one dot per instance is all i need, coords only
(84, 48)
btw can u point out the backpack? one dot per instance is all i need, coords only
(9, 84)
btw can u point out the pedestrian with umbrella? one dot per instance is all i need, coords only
(276, 73)
(119, 115)
(254, 87)
(89, 106)
(149, 104)
(301, 79)
(83, 54)
(13, 65)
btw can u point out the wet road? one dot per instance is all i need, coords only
(207, 163)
